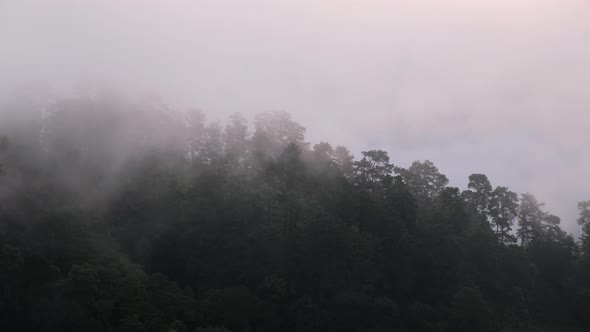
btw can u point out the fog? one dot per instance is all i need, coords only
(494, 87)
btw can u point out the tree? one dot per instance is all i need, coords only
(275, 130)
(424, 180)
(344, 160)
(235, 142)
(212, 151)
(503, 209)
(530, 218)
(322, 157)
(196, 135)
(584, 221)
(550, 227)
(478, 196)
(373, 171)
(401, 203)
(290, 171)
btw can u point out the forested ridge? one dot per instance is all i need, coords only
(121, 216)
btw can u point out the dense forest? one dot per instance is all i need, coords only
(127, 216)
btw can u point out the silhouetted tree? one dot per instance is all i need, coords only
(478, 196)
(503, 209)
(424, 180)
(530, 217)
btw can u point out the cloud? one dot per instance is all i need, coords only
(493, 86)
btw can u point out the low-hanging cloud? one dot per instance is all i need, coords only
(499, 87)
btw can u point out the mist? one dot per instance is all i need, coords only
(310, 165)
(497, 87)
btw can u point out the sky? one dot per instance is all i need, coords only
(496, 87)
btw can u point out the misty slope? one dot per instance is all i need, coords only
(123, 217)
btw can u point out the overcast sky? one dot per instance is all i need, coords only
(500, 87)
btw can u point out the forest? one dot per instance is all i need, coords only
(118, 215)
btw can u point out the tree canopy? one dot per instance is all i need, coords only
(124, 217)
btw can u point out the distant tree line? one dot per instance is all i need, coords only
(123, 217)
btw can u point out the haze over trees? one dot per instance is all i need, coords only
(117, 216)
